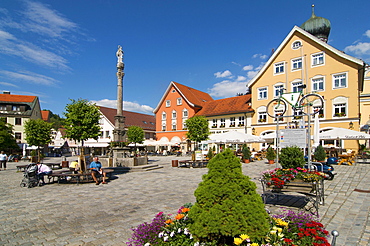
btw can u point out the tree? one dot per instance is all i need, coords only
(82, 122)
(197, 128)
(227, 203)
(38, 133)
(7, 140)
(135, 134)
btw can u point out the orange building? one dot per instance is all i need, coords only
(178, 103)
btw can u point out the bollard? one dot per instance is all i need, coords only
(175, 163)
(335, 235)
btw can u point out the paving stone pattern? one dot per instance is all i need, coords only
(89, 214)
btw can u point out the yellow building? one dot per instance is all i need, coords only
(304, 58)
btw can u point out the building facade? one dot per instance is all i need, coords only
(304, 58)
(17, 110)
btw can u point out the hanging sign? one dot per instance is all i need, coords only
(293, 137)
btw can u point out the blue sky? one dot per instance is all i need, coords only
(63, 49)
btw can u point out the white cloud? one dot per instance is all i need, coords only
(241, 78)
(248, 67)
(227, 88)
(8, 84)
(128, 106)
(235, 63)
(223, 74)
(30, 77)
(367, 33)
(41, 19)
(251, 74)
(358, 49)
(260, 56)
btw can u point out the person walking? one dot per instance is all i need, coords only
(3, 159)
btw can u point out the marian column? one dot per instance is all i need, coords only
(119, 132)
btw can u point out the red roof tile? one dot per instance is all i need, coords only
(145, 121)
(16, 98)
(45, 115)
(196, 97)
(232, 105)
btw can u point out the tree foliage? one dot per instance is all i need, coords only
(38, 133)
(7, 140)
(197, 128)
(135, 134)
(291, 157)
(82, 120)
(227, 203)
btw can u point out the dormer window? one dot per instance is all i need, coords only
(296, 45)
(179, 101)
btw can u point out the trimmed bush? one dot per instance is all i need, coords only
(291, 157)
(319, 154)
(270, 154)
(210, 154)
(246, 153)
(227, 204)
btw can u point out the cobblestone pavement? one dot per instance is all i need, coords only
(89, 214)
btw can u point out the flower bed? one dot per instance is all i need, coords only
(287, 228)
(279, 177)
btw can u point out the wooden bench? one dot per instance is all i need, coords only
(62, 176)
(313, 191)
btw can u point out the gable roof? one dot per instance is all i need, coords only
(145, 121)
(232, 105)
(313, 38)
(193, 97)
(17, 98)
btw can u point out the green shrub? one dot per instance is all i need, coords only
(210, 154)
(270, 154)
(227, 203)
(246, 153)
(319, 154)
(291, 157)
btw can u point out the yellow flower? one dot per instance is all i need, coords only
(244, 236)
(279, 229)
(238, 241)
(254, 244)
(280, 235)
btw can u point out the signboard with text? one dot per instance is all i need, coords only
(293, 137)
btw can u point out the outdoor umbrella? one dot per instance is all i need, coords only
(234, 137)
(342, 133)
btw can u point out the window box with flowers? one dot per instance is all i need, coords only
(321, 115)
(232, 125)
(240, 124)
(214, 126)
(340, 114)
(298, 180)
(222, 125)
(297, 117)
(262, 120)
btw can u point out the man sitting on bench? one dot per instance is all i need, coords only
(95, 167)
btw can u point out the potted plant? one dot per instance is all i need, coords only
(319, 154)
(246, 154)
(210, 154)
(270, 155)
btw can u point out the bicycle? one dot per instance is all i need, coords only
(300, 103)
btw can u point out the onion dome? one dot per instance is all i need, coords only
(317, 26)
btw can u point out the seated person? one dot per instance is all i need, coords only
(95, 167)
(73, 167)
(42, 171)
